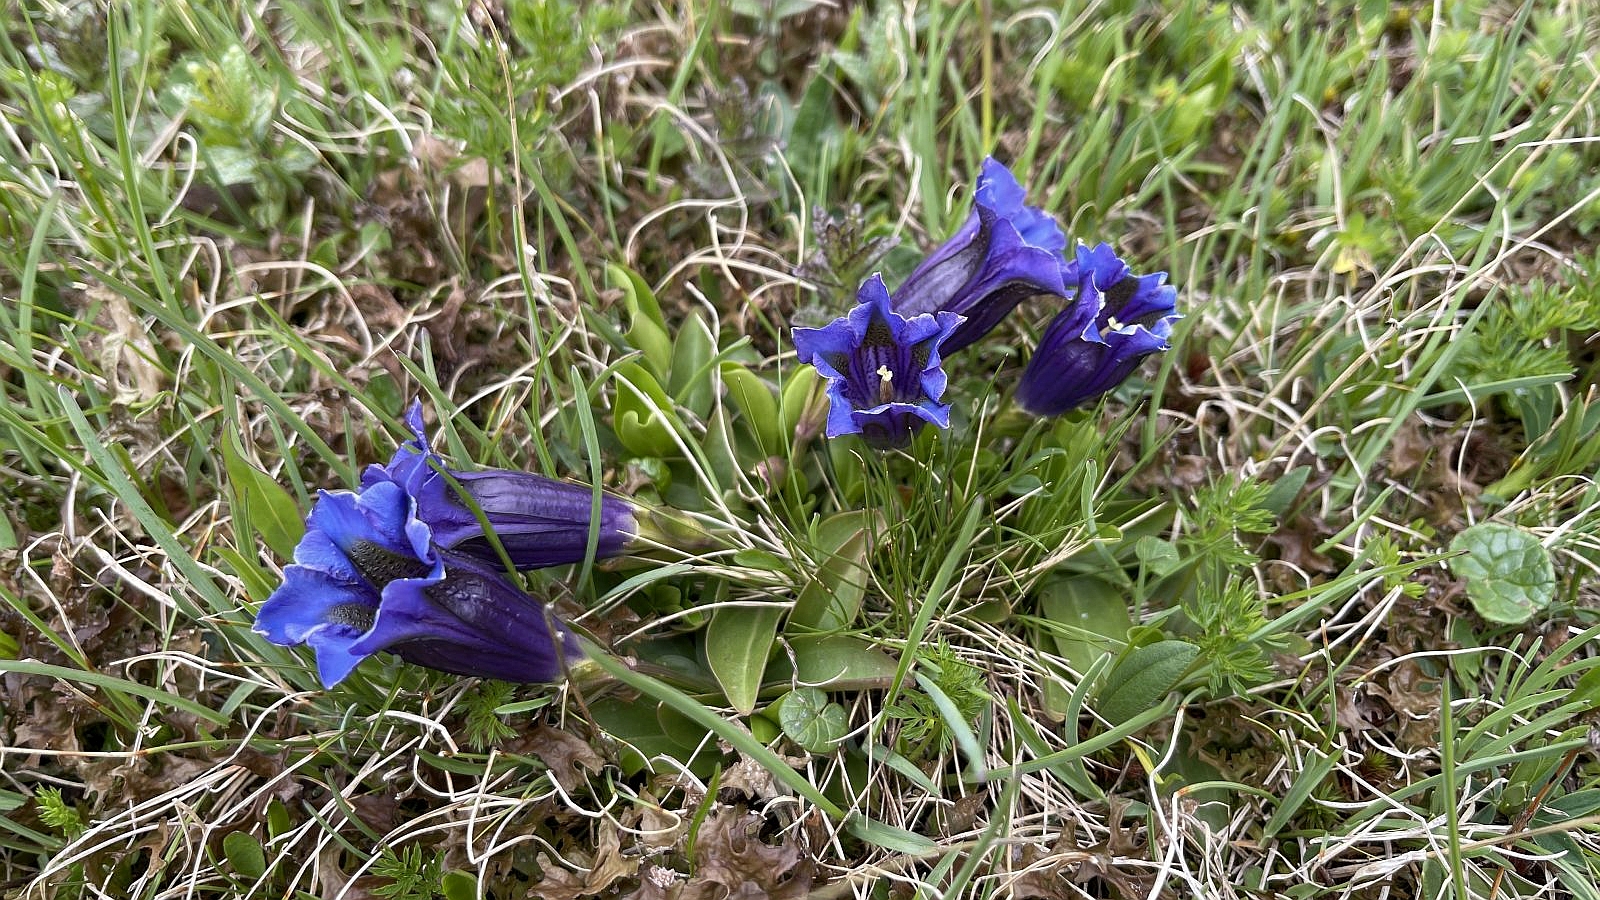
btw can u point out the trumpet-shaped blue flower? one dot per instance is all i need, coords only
(1003, 254)
(539, 521)
(1116, 320)
(366, 578)
(883, 368)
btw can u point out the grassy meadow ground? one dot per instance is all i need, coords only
(1305, 609)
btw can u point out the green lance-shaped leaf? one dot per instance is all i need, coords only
(796, 397)
(832, 599)
(754, 399)
(245, 854)
(262, 503)
(1158, 557)
(647, 329)
(459, 885)
(643, 409)
(838, 662)
(1093, 614)
(1142, 677)
(738, 641)
(690, 382)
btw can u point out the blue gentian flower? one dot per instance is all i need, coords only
(1114, 322)
(883, 368)
(539, 521)
(367, 578)
(1003, 254)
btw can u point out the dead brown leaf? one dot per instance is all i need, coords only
(748, 778)
(732, 861)
(558, 883)
(1296, 543)
(567, 756)
(1411, 448)
(444, 327)
(1100, 861)
(377, 305)
(1172, 472)
(331, 878)
(1415, 699)
(433, 153)
(1052, 874)
(657, 883)
(127, 354)
(46, 724)
(380, 812)
(131, 780)
(963, 813)
(1045, 872)
(1353, 713)
(656, 827)
(609, 863)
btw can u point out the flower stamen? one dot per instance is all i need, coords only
(886, 385)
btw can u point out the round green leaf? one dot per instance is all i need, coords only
(459, 885)
(811, 721)
(1508, 572)
(245, 854)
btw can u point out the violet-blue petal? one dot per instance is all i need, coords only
(1114, 322)
(999, 190)
(335, 657)
(366, 579)
(355, 547)
(473, 621)
(539, 521)
(1005, 253)
(884, 370)
(309, 600)
(896, 424)
(381, 515)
